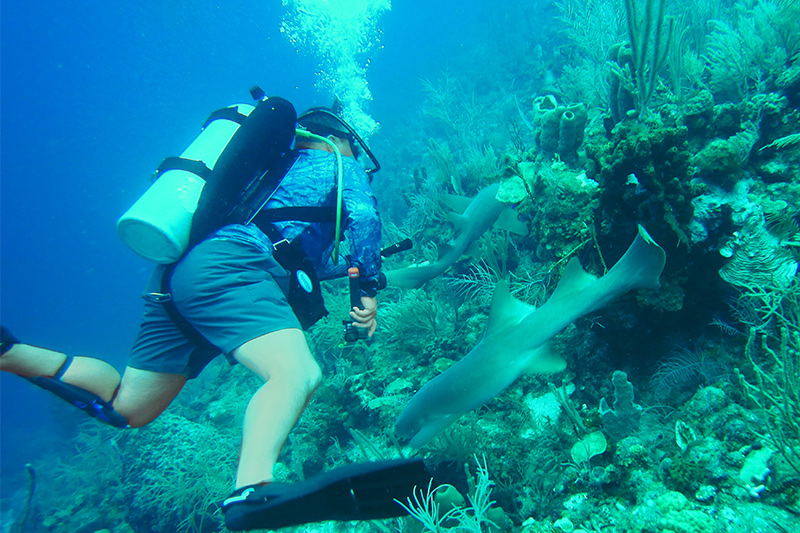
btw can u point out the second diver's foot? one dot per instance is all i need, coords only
(7, 340)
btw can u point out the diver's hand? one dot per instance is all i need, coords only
(367, 316)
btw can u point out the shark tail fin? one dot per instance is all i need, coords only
(642, 264)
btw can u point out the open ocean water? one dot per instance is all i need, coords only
(692, 131)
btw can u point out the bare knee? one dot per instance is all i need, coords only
(143, 395)
(282, 357)
(302, 375)
(313, 378)
(137, 414)
(136, 420)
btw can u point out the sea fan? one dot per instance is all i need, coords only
(783, 142)
(683, 367)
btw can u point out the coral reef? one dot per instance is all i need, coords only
(692, 134)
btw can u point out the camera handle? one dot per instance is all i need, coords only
(353, 275)
(352, 333)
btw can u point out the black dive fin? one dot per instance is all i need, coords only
(365, 491)
(88, 402)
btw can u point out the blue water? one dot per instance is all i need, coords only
(94, 95)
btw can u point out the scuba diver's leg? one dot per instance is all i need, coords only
(93, 375)
(140, 397)
(143, 394)
(284, 361)
(87, 383)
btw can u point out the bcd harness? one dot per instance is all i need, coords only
(244, 178)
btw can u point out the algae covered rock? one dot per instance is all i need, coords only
(677, 515)
(562, 205)
(719, 162)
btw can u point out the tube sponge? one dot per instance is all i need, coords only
(562, 130)
(571, 128)
(551, 125)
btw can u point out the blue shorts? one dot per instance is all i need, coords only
(230, 288)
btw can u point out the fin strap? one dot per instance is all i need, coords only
(64, 366)
(86, 401)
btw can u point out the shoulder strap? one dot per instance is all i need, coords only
(257, 151)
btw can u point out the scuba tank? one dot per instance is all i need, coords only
(158, 225)
(240, 147)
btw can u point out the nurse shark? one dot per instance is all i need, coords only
(479, 214)
(516, 339)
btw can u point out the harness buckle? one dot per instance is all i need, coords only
(283, 243)
(157, 297)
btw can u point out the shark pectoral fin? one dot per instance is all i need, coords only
(545, 360)
(474, 249)
(506, 310)
(457, 203)
(459, 221)
(509, 221)
(445, 249)
(573, 280)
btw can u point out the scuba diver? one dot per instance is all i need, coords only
(246, 288)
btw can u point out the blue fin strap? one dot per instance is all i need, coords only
(86, 401)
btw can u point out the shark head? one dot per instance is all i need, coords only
(471, 217)
(420, 431)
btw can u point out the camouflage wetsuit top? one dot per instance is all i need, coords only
(311, 183)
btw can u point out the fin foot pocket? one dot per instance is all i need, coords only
(365, 491)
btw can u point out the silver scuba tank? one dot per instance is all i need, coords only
(158, 225)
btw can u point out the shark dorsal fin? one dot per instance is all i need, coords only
(445, 249)
(509, 221)
(573, 280)
(455, 202)
(506, 310)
